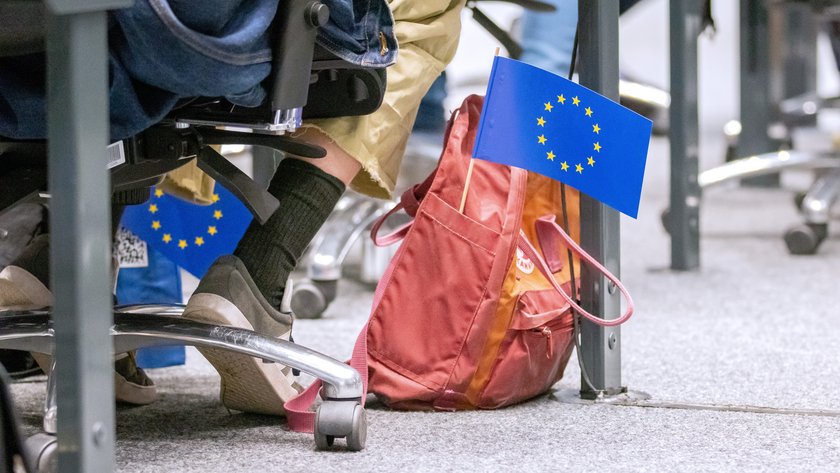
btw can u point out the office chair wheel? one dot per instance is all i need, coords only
(311, 298)
(805, 239)
(43, 450)
(336, 419)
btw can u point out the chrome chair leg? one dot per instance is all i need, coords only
(806, 238)
(764, 164)
(821, 197)
(51, 402)
(140, 326)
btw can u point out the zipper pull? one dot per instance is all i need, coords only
(546, 332)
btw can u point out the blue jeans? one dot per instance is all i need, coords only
(548, 38)
(164, 50)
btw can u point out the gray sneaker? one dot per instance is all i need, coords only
(228, 296)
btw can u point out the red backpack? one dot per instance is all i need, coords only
(469, 314)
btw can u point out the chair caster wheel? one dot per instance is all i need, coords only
(311, 298)
(805, 239)
(336, 419)
(43, 450)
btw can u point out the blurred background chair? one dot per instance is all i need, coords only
(780, 92)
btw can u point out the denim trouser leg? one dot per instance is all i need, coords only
(548, 38)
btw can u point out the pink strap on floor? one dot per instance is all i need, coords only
(550, 236)
(298, 414)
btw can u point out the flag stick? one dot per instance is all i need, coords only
(470, 170)
(466, 186)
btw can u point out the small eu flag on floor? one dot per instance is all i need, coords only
(541, 122)
(190, 235)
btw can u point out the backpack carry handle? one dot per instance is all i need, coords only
(393, 237)
(551, 236)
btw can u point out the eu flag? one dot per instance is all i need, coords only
(544, 123)
(190, 235)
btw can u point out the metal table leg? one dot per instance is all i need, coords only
(600, 229)
(756, 102)
(684, 214)
(80, 214)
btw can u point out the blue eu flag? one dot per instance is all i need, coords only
(541, 122)
(190, 235)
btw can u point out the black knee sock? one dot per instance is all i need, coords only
(307, 195)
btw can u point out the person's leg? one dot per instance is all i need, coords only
(308, 190)
(244, 290)
(548, 38)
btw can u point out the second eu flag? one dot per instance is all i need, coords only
(541, 122)
(192, 236)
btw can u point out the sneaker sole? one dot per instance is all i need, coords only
(20, 290)
(124, 390)
(248, 384)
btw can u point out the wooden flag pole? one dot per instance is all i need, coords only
(466, 186)
(470, 171)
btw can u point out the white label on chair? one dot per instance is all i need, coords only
(116, 154)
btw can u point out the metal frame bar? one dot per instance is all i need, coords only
(798, 53)
(80, 259)
(600, 225)
(139, 326)
(77, 121)
(757, 109)
(684, 215)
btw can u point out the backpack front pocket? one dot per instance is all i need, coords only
(442, 275)
(534, 353)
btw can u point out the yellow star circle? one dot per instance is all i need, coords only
(183, 243)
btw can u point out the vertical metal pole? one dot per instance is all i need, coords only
(684, 214)
(798, 43)
(600, 229)
(81, 241)
(757, 108)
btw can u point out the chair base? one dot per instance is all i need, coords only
(139, 326)
(815, 205)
